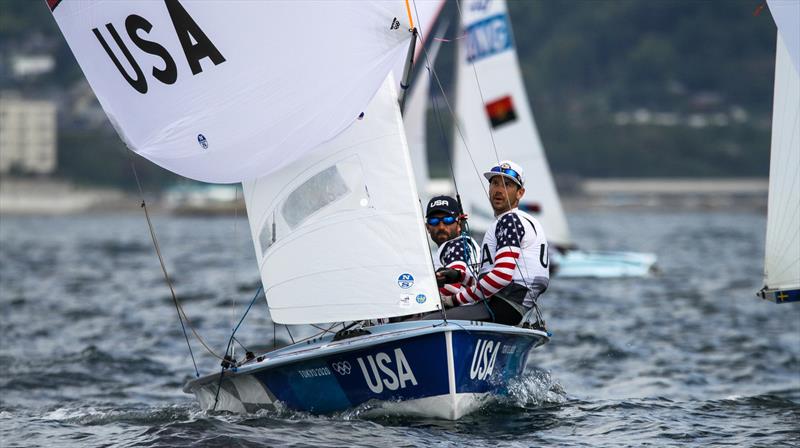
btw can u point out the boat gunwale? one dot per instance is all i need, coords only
(327, 347)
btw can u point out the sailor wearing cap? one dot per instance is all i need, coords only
(443, 219)
(514, 262)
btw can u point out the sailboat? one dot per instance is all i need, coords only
(495, 122)
(782, 255)
(304, 112)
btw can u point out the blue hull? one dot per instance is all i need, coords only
(421, 368)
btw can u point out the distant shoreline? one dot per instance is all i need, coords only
(56, 197)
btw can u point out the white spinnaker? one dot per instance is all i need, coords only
(294, 75)
(488, 73)
(338, 235)
(782, 260)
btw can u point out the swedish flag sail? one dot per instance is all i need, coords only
(782, 258)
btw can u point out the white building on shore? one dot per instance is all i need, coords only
(27, 135)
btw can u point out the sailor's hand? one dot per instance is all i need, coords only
(447, 276)
(448, 301)
(439, 278)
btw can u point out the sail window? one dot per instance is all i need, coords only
(336, 189)
(319, 191)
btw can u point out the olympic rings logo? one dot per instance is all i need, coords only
(342, 368)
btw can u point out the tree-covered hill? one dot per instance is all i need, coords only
(704, 67)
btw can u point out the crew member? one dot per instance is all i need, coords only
(514, 258)
(457, 253)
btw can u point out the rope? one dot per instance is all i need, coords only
(226, 360)
(258, 292)
(235, 238)
(163, 267)
(181, 313)
(435, 77)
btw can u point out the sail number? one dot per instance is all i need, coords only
(194, 42)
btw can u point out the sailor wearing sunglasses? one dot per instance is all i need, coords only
(457, 252)
(514, 262)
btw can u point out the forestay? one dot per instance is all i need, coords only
(782, 260)
(217, 91)
(339, 235)
(493, 113)
(415, 118)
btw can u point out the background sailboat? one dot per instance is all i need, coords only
(331, 201)
(782, 257)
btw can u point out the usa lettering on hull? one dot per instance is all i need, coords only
(385, 372)
(416, 368)
(483, 359)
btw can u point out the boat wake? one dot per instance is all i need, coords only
(98, 415)
(535, 388)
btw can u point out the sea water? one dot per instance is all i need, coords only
(93, 354)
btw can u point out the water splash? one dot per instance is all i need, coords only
(535, 388)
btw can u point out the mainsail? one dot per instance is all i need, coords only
(218, 91)
(339, 234)
(782, 258)
(496, 121)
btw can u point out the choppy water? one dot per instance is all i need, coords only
(92, 353)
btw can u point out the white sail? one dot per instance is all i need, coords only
(217, 91)
(339, 235)
(786, 14)
(493, 115)
(782, 259)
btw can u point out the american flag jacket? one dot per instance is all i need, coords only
(460, 253)
(514, 250)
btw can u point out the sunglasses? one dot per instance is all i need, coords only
(447, 220)
(509, 171)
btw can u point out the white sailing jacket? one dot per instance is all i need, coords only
(514, 250)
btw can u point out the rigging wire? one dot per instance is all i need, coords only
(463, 140)
(290, 333)
(230, 360)
(429, 67)
(178, 308)
(235, 238)
(181, 312)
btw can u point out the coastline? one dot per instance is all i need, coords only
(44, 196)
